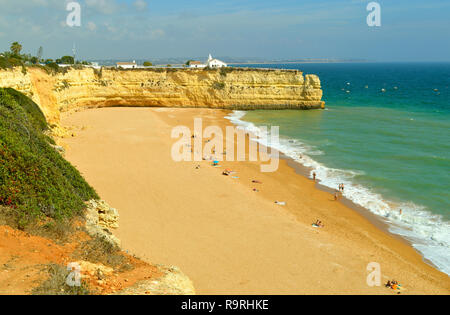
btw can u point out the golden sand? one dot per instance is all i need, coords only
(226, 237)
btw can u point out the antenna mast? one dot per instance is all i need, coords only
(74, 51)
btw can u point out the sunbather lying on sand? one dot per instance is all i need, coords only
(318, 224)
(394, 285)
(227, 172)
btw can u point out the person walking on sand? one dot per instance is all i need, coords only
(336, 196)
(314, 176)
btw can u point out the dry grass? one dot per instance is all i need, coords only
(56, 283)
(98, 250)
(59, 231)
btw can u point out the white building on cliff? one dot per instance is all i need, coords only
(127, 65)
(196, 64)
(215, 63)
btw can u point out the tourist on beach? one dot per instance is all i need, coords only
(227, 172)
(336, 196)
(314, 176)
(319, 224)
(394, 285)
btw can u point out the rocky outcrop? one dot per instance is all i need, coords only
(228, 88)
(100, 220)
(173, 282)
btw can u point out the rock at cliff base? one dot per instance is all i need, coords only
(173, 282)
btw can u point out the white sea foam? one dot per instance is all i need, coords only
(428, 233)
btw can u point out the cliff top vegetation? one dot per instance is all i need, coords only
(35, 180)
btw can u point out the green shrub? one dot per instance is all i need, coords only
(218, 85)
(98, 73)
(10, 62)
(99, 250)
(53, 66)
(67, 60)
(225, 70)
(65, 84)
(35, 180)
(35, 114)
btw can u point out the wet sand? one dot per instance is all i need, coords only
(227, 238)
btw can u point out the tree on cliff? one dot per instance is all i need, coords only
(16, 48)
(147, 64)
(67, 60)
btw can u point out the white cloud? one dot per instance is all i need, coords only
(26, 6)
(91, 26)
(110, 28)
(140, 4)
(103, 6)
(40, 2)
(36, 29)
(157, 34)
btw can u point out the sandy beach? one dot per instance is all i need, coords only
(228, 238)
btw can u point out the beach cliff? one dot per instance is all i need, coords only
(227, 88)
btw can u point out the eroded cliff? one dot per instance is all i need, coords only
(230, 88)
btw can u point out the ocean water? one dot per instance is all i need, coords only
(385, 134)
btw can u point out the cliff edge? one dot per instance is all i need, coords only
(226, 88)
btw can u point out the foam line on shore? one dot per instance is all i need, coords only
(427, 232)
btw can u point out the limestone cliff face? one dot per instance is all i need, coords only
(37, 85)
(228, 88)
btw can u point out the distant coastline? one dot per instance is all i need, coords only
(181, 61)
(301, 61)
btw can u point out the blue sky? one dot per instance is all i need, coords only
(413, 30)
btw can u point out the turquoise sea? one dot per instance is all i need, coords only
(386, 134)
